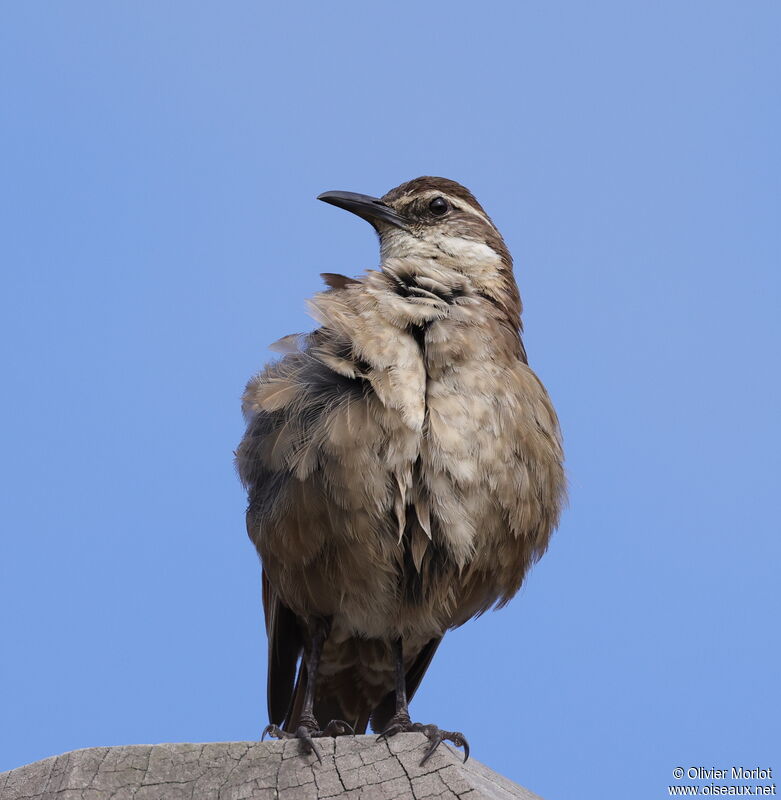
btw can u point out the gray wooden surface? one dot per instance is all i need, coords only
(359, 767)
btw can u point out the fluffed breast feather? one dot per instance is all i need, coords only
(403, 444)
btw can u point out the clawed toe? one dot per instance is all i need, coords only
(307, 731)
(275, 732)
(437, 736)
(303, 733)
(337, 727)
(391, 730)
(398, 724)
(402, 724)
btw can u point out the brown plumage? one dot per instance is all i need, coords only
(403, 464)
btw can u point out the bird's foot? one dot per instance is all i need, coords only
(307, 730)
(401, 723)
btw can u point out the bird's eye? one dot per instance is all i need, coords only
(438, 206)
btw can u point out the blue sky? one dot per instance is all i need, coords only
(159, 229)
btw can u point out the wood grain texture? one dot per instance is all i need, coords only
(356, 768)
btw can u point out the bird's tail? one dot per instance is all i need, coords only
(326, 709)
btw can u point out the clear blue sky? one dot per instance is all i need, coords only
(159, 229)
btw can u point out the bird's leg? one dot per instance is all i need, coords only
(307, 726)
(400, 719)
(400, 722)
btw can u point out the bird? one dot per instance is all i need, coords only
(403, 466)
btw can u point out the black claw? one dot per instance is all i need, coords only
(272, 730)
(466, 750)
(436, 737)
(434, 745)
(431, 732)
(304, 736)
(391, 730)
(307, 732)
(338, 727)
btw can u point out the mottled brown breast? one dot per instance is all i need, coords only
(400, 482)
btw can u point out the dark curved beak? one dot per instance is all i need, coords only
(369, 208)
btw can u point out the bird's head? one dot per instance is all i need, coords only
(437, 222)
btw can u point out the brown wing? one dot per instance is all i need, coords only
(285, 645)
(286, 405)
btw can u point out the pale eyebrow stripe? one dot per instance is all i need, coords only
(459, 204)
